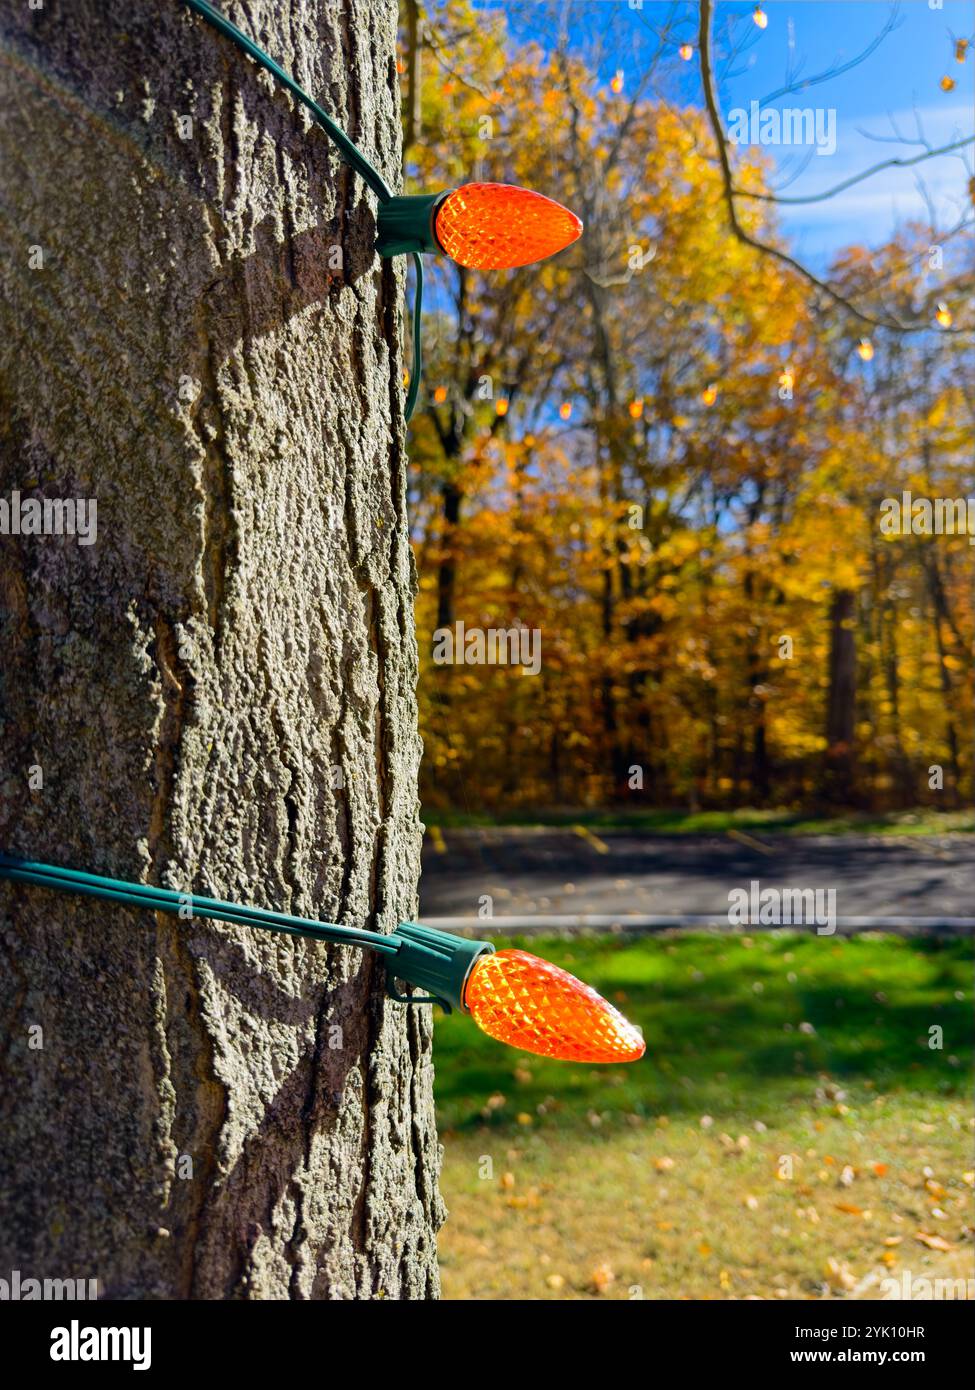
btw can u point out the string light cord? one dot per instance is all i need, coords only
(417, 339)
(511, 995)
(349, 151)
(424, 956)
(154, 899)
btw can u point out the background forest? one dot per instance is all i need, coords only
(667, 450)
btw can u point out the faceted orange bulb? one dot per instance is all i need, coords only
(491, 226)
(529, 1003)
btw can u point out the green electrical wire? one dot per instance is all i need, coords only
(350, 152)
(152, 899)
(422, 956)
(417, 339)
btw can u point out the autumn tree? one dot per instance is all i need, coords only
(683, 489)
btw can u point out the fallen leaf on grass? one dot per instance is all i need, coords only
(838, 1272)
(933, 1242)
(529, 1199)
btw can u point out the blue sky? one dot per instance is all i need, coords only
(897, 84)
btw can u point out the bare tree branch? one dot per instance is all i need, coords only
(766, 248)
(413, 103)
(793, 86)
(827, 193)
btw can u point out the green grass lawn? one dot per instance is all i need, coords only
(789, 1133)
(922, 821)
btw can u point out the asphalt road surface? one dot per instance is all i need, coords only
(567, 878)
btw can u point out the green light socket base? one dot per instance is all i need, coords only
(406, 223)
(434, 960)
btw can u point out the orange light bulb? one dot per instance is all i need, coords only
(529, 1003)
(760, 17)
(686, 52)
(865, 349)
(492, 226)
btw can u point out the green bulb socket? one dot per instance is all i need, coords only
(406, 224)
(436, 961)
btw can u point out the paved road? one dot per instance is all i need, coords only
(640, 880)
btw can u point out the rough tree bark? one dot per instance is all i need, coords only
(219, 693)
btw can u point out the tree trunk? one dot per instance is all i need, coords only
(219, 693)
(452, 498)
(838, 778)
(942, 619)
